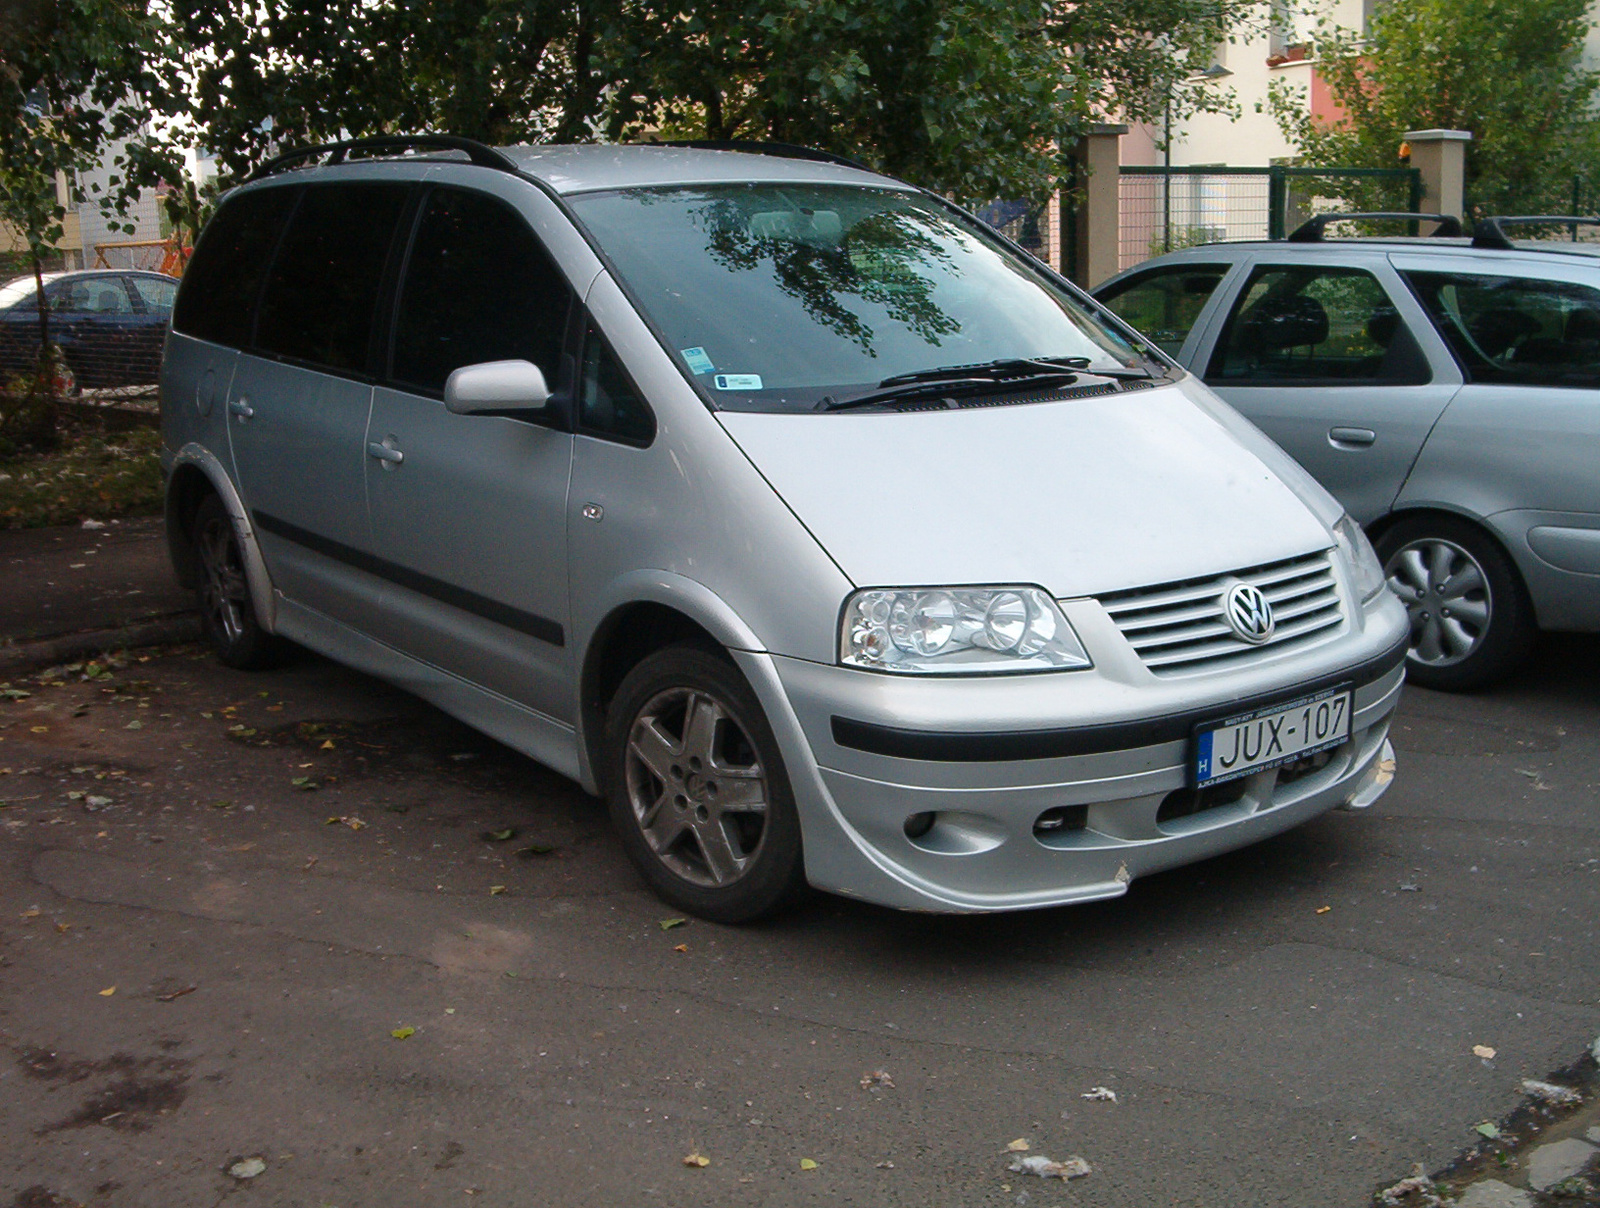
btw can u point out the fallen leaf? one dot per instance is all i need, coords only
(247, 1168)
(1100, 1094)
(97, 802)
(1020, 1145)
(696, 1159)
(496, 890)
(680, 947)
(1324, 909)
(108, 992)
(535, 849)
(403, 1033)
(39, 729)
(875, 1079)
(1484, 1051)
(135, 724)
(890, 1166)
(305, 783)
(1487, 1129)
(176, 994)
(32, 912)
(499, 836)
(807, 1164)
(327, 745)
(669, 924)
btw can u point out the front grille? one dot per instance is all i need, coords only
(1180, 627)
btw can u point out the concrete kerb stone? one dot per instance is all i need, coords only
(160, 631)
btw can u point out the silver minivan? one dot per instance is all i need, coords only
(828, 536)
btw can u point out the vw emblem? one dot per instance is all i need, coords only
(1249, 613)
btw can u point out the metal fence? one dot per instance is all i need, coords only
(1025, 223)
(1165, 208)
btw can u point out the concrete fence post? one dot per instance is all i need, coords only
(1441, 157)
(1095, 254)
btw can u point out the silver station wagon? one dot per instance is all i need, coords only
(820, 530)
(1444, 389)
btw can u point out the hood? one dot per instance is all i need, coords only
(1080, 497)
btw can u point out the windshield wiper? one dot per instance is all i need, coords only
(942, 388)
(1024, 367)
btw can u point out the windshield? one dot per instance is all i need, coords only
(777, 297)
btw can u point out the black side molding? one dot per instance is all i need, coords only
(534, 626)
(1004, 746)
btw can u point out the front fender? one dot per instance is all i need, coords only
(195, 458)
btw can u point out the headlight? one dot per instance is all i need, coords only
(958, 630)
(1366, 572)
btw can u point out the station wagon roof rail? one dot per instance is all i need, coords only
(478, 153)
(1487, 232)
(1311, 231)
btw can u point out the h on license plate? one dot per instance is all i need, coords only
(1269, 738)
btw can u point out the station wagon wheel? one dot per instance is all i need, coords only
(697, 788)
(1470, 620)
(227, 614)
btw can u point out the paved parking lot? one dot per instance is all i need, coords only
(228, 899)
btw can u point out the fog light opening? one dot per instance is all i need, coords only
(918, 825)
(1062, 818)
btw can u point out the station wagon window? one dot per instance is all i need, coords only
(608, 404)
(1164, 303)
(1515, 330)
(1308, 325)
(319, 300)
(218, 294)
(479, 287)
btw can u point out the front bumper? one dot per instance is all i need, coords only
(857, 778)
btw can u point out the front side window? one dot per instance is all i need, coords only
(775, 297)
(1164, 303)
(318, 304)
(478, 287)
(217, 299)
(1515, 330)
(608, 404)
(1313, 325)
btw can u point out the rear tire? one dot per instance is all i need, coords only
(697, 789)
(1471, 623)
(227, 613)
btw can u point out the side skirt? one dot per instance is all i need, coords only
(551, 742)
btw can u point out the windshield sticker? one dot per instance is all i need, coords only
(737, 381)
(697, 360)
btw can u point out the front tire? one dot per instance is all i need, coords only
(227, 613)
(697, 788)
(1471, 623)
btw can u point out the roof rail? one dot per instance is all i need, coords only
(1311, 230)
(1486, 232)
(480, 154)
(756, 147)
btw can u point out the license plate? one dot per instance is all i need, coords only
(1269, 738)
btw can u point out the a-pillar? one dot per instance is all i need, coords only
(1441, 156)
(1095, 254)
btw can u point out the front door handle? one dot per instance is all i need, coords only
(386, 453)
(242, 408)
(1351, 436)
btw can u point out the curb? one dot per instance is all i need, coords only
(21, 656)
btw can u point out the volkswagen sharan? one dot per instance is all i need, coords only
(824, 533)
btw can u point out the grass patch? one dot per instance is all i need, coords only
(94, 474)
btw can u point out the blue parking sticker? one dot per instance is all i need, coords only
(697, 360)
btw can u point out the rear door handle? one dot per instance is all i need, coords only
(386, 454)
(241, 407)
(1351, 436)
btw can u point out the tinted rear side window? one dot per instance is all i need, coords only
(1164, 303)
(325, 282)
(1515, 330)
(479, 287)
(221, 283)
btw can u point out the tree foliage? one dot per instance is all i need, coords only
(975, 98)
(1508, 71)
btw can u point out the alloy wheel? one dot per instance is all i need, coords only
(1446, 593)
(224, 590)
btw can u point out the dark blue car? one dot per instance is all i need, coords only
(109, 325)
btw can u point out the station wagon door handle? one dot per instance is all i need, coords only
(386, 453)
(242, 408)
(1351, 436)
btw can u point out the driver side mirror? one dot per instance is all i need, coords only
(514, 389)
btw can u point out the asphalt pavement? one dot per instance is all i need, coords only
(297, 938)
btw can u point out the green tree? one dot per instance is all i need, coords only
(971, 97)
(77, 78)
(1509, 71)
